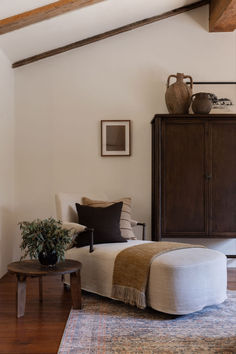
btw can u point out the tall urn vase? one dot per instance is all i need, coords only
(178, 95)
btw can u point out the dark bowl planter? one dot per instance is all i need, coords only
(47, 258)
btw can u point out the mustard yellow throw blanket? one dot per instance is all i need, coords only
(131, 270)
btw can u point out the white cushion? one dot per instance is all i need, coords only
(181, 281)
(74, 230)
(73, 227)
(187, 280)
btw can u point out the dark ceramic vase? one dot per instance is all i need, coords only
(47, 258)
(201, 103)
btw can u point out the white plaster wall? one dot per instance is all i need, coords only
(7, 216)
(60, 102)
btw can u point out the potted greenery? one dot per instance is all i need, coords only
(45, 240)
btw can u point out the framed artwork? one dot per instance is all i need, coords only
(222, 94)
(115, 138)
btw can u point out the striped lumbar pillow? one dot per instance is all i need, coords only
(125, 218)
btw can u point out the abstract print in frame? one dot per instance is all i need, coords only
(222, 95)
(115, 138)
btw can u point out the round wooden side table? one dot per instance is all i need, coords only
(32, 268)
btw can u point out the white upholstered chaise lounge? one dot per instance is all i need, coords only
(180, 282)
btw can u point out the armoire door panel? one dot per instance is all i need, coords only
(183, 178)
(194, 176)
(222, 192)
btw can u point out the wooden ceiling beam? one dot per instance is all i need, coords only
(222, 16)
(110, 33)
(42, 13)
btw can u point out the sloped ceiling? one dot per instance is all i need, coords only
(74, 25)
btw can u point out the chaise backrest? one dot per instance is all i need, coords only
(65, 204)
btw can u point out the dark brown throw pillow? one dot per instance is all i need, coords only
(104, 221)
(82, 239)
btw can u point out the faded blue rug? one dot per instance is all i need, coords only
(107, 326)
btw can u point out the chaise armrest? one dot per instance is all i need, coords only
(78, 228)
(136, 223)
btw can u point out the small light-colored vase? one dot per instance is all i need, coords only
(201, 103)
(178, 95)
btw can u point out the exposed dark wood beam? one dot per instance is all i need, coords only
(110, 33)
(222, 16)
(42, 13)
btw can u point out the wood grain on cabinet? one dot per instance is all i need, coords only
(193, 176)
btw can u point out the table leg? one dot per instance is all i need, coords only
(21, 295)
(41, 289)
(75, 288)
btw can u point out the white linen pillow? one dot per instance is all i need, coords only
(75, 229)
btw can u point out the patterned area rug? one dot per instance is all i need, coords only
(107, 326)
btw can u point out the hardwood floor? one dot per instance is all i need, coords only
(232, 278)
(41, 329)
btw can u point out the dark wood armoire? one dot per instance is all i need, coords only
(194, 176)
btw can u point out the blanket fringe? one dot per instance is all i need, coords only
(129, 295)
